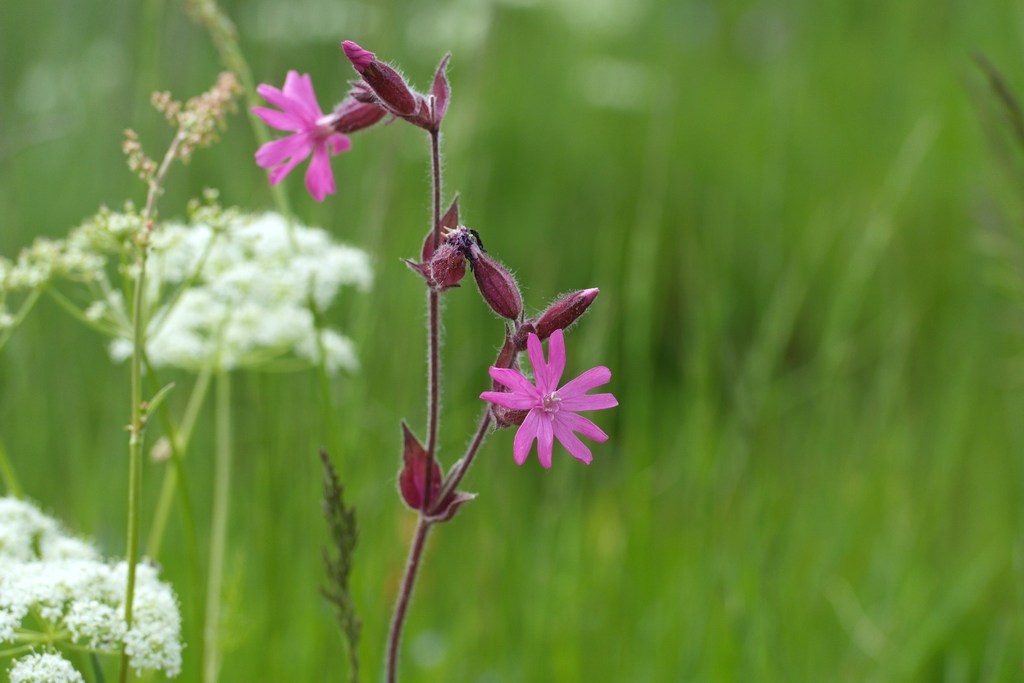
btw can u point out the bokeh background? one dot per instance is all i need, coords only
(816, 469)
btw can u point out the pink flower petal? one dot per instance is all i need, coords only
(588, 402)
(576, 448)
(274, 96)
(339, 143)
(319, 178)
(514, 380)
(276, 151)
(299, 89)
(545, 439)
(556, 357)
(509, 400)
(279, 172)
(277, 119)
(540, 366)
(525, 436)
(577, 423)
(594, 377)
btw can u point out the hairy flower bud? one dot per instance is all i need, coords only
(359, 57)
(508, 417)
(353, 114)
(497, 286)
(447, 267)
(387, 84)
(441, 91)
(564, 312)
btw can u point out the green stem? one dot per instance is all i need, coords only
(218, 528)
(134, 449)
(10, 479)
(179, 439)
(137, 423)
(20, 316)
(75, 312)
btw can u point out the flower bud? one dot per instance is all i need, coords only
(359, 57)
(353, 114)
(507, 417)
(447, 267)
(564, 312)
(412, 480)
(497, 286)
(387, 84)
(441, 91)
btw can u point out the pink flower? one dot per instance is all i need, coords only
(312, 132)
(553, 410)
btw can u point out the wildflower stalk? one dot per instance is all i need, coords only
(434, 315)
(218, 527)
(23, 311)
(174, 480)
(412, 566)
(454, 478)
(137, 425)
(75, 312)
(11, 483)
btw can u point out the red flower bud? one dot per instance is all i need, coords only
(447, 267)
(497, 286)
(564, 312)
(387, 84)
(441, 91)
(507, 417)
(353, 114)
(359, 57)
(412, 480)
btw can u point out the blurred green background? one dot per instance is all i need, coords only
(816, 470)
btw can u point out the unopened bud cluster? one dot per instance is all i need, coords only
(386, 87)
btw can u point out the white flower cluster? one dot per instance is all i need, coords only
(243, 295)
(54, 583)
(47, 667)
(82, 256)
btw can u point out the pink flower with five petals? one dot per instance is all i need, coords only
(312, 132)
(553, 410)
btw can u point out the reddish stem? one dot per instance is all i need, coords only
(412, 566)
(434, 321)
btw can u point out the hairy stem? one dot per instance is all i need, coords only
(412, 566)
(454, 478)
(218, 528)
(434, 320)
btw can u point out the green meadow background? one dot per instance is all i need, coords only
(817, 467)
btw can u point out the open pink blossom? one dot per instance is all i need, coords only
(553, 410)
(312, 132)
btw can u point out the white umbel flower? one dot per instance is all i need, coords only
(47, 667)
(246, 294)
(49, 575)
